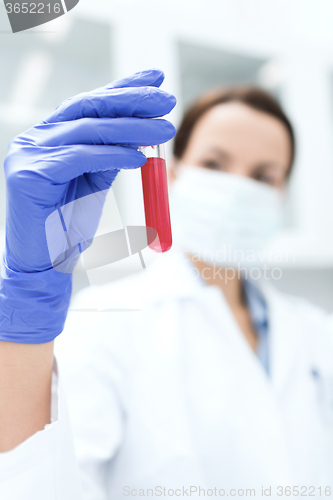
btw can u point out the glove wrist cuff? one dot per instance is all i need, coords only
(33, 306)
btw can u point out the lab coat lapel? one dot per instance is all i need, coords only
(284, 329)
(285, 338)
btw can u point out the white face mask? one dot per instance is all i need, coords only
(223, 218)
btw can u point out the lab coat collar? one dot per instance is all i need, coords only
(285, 331)
(177, 268)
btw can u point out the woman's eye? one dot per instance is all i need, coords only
(213, 165)
(266, 178)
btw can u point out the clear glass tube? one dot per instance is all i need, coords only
(156, 199)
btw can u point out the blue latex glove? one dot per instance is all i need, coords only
(76, 152)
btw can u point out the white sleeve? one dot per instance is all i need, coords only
(44, 466)
(96, 391)
(71, 457)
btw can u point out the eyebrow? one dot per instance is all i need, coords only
(219, 152)
(225, 156)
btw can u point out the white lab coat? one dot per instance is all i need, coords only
(173, 396)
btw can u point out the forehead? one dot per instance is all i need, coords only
(236, 126)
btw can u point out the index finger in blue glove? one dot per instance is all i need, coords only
(143, 102)
(151, 77)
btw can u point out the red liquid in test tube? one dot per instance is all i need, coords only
(156, 199)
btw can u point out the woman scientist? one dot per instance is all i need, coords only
(217, 386)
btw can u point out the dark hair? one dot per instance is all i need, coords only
(254, 97)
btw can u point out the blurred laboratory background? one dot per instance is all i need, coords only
(285, 46)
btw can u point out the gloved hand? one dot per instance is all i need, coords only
(78, 151)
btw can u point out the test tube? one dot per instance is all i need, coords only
(156, 199)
